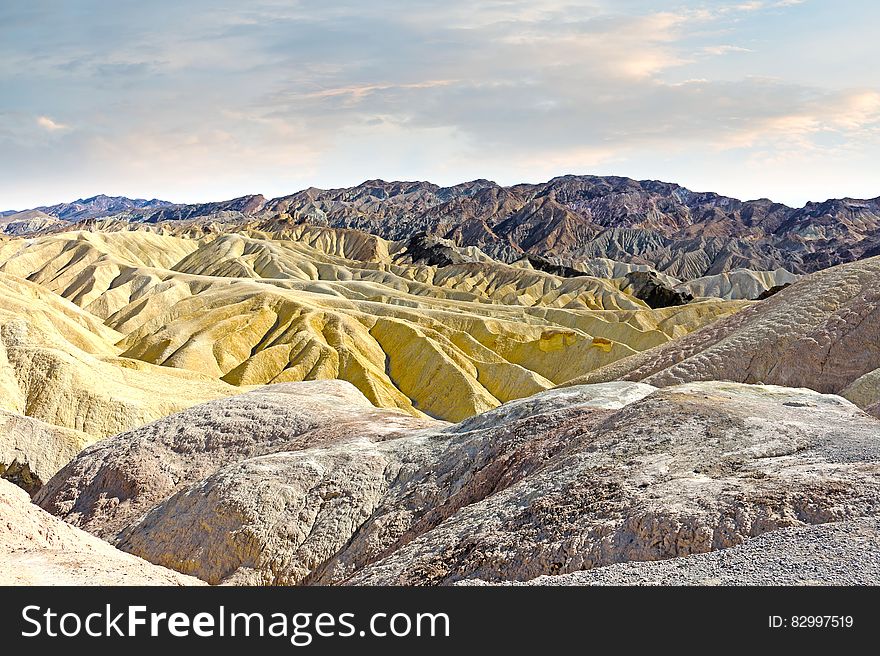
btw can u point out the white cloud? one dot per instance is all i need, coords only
(851, 116)
(356, 93)
(724, 49)
(50, 125)
(278, 96)
(857, 110)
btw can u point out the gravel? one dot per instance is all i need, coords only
(842, 553)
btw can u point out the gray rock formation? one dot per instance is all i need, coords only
(739, 284)
(435, 251)
(565, 480)
(29, 222)
(864, 391)
(840, 553)
(32, 451)
(648, 286)
(686, 470)
(118, 479)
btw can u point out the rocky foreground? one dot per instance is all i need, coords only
(307, 483)
(839, 553)
(38, 549)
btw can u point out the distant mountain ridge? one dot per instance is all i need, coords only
(98, 206)
(568, 220)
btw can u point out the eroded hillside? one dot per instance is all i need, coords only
(822, 333)
(329, 407)
(307, 483)
(225, 310)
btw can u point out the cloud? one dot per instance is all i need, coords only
(724, 50)
(50, 125)
(357, 93)
(849, 116)
(210, 98)
(857, 111)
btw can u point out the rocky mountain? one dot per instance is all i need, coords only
(99, 206)
(572, 219)
(30, 222)
(234, 209)
(676, 231)
(63, 215)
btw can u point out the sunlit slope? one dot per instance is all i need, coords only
(317, 303)
(316, 258)
(822, 332)
(60, 365)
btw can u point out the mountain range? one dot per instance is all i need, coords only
(569, 221)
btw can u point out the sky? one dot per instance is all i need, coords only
(199, 100)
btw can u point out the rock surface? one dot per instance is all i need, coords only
(689, 469)
(59, 364)
(31, 451)
(864, 391)
(840, 553)
(566, 480)
(39, 549)
(120, 478)
(648, 286)
(739, 284)
(822, 332)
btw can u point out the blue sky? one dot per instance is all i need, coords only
(193, 100)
